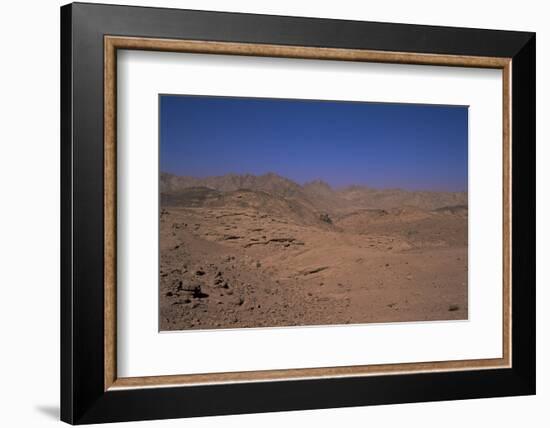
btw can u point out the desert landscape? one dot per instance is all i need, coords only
(247, 250)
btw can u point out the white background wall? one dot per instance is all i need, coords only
(29, 218)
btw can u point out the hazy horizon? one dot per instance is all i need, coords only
(378, 145)
(311, 181)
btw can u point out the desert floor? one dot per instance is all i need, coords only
(241, 263)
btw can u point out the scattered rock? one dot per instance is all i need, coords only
(325, 218)
(198, 293)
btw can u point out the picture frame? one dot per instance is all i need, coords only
(91, 390)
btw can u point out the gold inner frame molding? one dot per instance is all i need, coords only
(113, 43)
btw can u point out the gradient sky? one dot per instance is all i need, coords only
(408, 146)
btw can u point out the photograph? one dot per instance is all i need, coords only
(292, 212)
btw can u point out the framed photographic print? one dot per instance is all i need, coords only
(265, 213)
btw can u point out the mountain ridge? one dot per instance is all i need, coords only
(316, 192)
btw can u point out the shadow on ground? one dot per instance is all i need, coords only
(50, 411)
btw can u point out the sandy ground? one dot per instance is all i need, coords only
(241, 263)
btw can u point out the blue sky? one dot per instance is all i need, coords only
(409, 146)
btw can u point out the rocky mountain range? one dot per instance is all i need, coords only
(317, 194)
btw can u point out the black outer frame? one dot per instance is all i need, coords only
(83, 399)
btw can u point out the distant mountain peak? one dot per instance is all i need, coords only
(319, 184)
